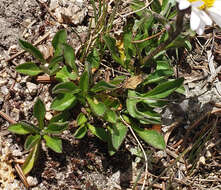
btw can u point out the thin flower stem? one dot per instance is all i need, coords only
(143, 151)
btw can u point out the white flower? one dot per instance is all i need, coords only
(203, 13)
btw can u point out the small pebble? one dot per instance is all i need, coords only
(48, 116)
(4, 90)
(32, 88)
(32, 181)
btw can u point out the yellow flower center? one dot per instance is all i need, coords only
(207, 3)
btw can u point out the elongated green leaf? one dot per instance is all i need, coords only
(157, 76)
(53, 143)
(23, 128)
(116, 135)
(55, 59)
(59, 39)
(84, 82)
(63, 102)
(39, 112)
(65, 74)
(28, 68)
(98, 108)
(31, 141)
(81, 132)
(102, 85)
(148, 117)
(151, 137)
(30, 160)
(56, 127)
(111, 44)
(81, 119)
(31, 49)
(65, 87)
(18, 128)
(99, 132)
(118, 80)
(69, 57)
(165, 89)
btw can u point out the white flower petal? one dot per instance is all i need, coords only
(215, 12)
(205, 18)
(201, 29)
(183, 4)
(195, 19)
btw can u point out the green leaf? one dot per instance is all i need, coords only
(31, 141)
(165, 89)
(110, 116)
(148, 117)
(28, 68)
(39, 112)
(69, 57)
(81, 119)
(180, 42)
(59, 39)
(102, 85)
(56, 127)
(157, 76)
(55, 59)
(65, 74)
(94, 59)
(116, 135)
(18, 128)
(84, 82)
(81, 132)
(53, 143)
(54, 64)
(156, 7)
(31, 49)
(118, 80)
(98, 108)
(61, 117)
(30, 160)
(99, 132)
(151, 137)
(23, 128)
(65, 87)
(111, 44)
(63, 102)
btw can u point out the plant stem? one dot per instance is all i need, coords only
(173, 36)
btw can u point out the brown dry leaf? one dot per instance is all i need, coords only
(133, 82)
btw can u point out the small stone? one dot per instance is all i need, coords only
(47, 106)
(32, 181)
(4, 90)
(161, 154)
(208, 154)
(3, 81)
(15, 114)
(17, 87)
(32, 88)
(16, 152)
(202, 160)
(48, 116)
